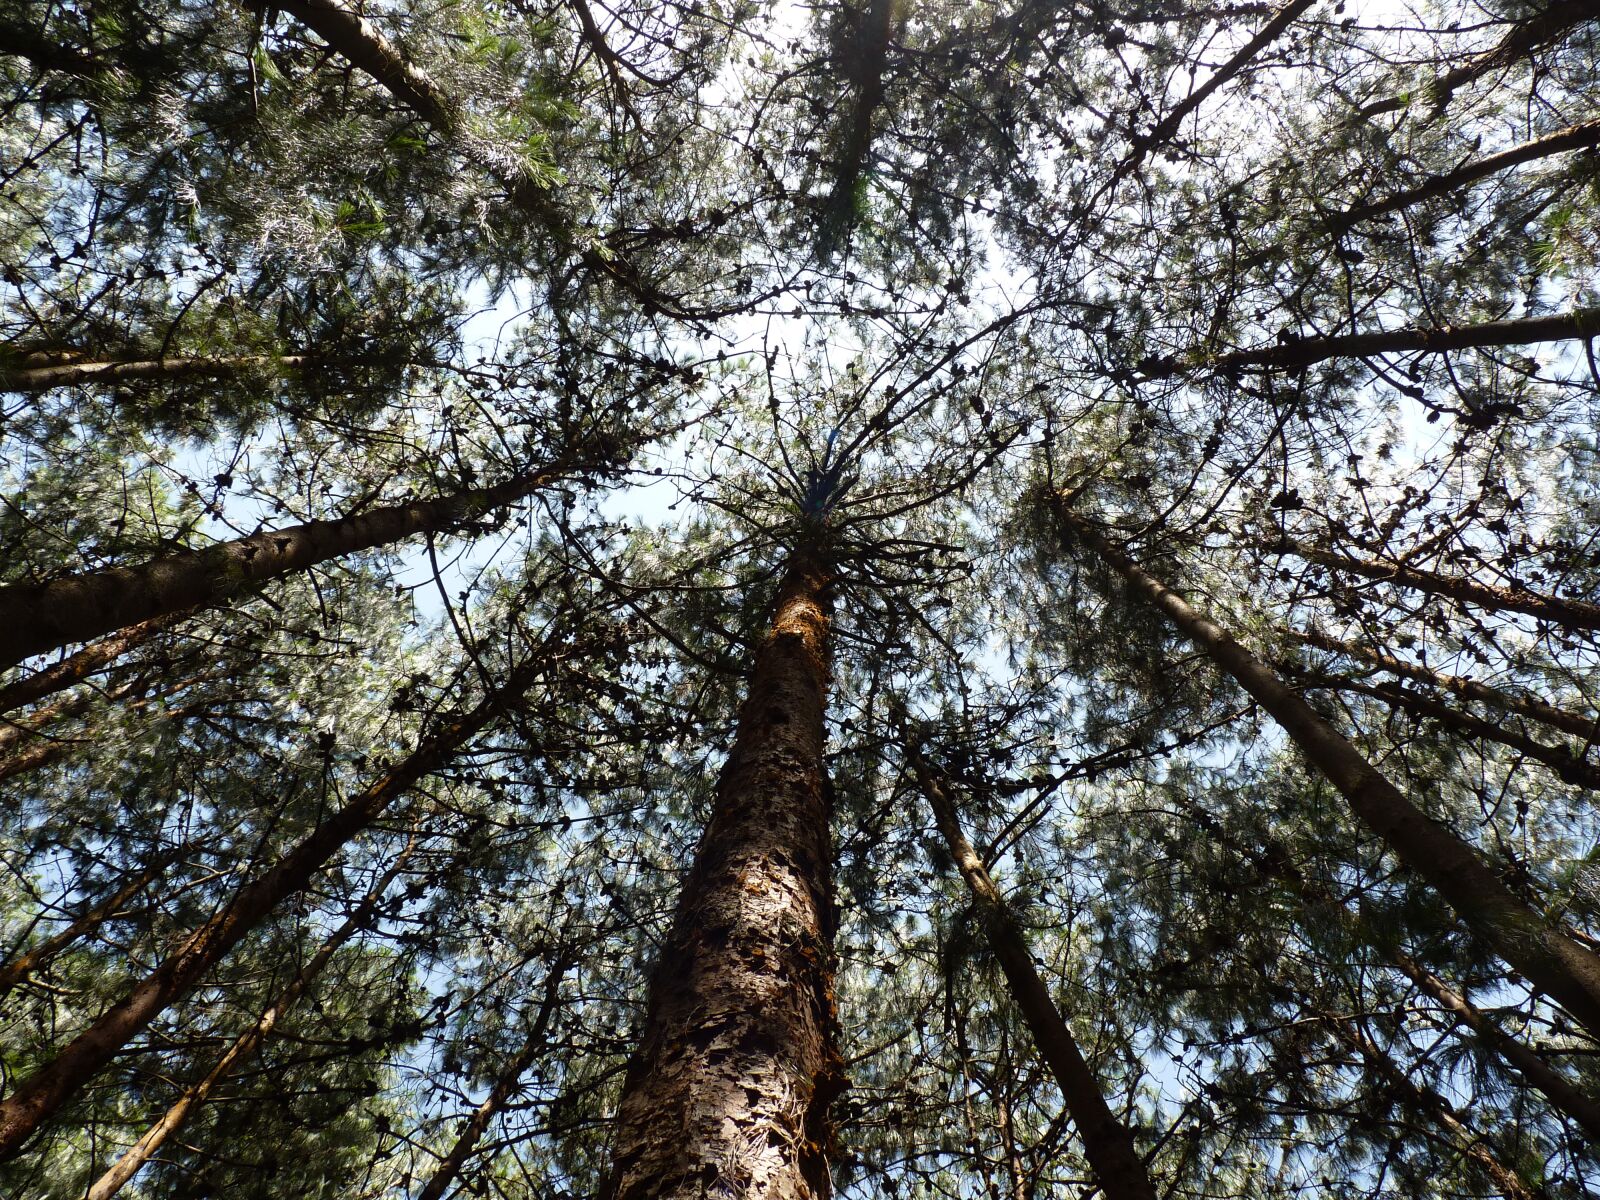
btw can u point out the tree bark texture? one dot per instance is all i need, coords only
(35, 1099)
(1297, 352)
(1551, 961)
(1107, 1142)
(77, 667)
(35, 618)
(729, 1092)
(41, 377)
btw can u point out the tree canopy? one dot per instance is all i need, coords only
(702, 598)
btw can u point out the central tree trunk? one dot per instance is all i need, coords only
(730, 1089)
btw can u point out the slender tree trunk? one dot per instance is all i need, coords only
(35, 1099)
(1520, 40)
(42, 376)
(1303, 352)
(1586, 727)
(505, 1087)
(1567, 766)
(1472, 1144)
(1021, 1188)
(75, 668)
(1274, 862)
(1107, 1142)
(14, 732)
(35, 618)
(1572, 614)
(729, 1091)
(245, 1045)
(1567, 1098)
(1173, 121)
(1551, 961)
(364, 46)
(26, 963)
(1576, 137)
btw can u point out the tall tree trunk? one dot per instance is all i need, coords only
(1572, 614)
(75, 668)
(35, 1099)
(1562, 1094)
(246, 1044)
(1576, 137)
(1303, 352)
(505, 1087)
(29, 961)
(1520, 40)
(730, 1088)
(35, 618)
(1107, 1142)
(1550, 960)
(1586, 727)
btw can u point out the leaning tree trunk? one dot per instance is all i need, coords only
(1107, 1142)
(1521, 40)
(1577, 724)
(1471, 1144)
(20, 968)
(1551, 961)
(502, 1093)
(730, 1089)
(1576, 137)
(35, 1099)
(245, 1045)
(1303, 352)
(35, 618)
(75, 668)
(1572, 614)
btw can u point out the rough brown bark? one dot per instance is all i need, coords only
(1574, 614)
(245, 1045)
(729, 1091)
(1551, 961)
(26, 963)
(1303, 352)
(35, 618)
(1520, 40)
(36, 1098)
(1531, 707)
(505, 1087)
(77, 667)
(1577, 137)
(1107, 1142)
